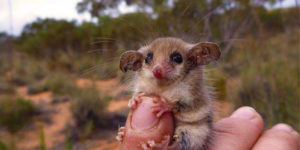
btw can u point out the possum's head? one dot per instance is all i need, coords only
(167, 60)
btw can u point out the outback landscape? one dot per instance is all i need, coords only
(61, 87)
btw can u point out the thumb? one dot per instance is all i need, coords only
(143, 128)
(238, 132)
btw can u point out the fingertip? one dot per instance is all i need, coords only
(287, 128)
(239, 131)
(283, 127)
(280, 137)
(248, 113)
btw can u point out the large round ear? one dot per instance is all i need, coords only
(203, 53)
(131, 60)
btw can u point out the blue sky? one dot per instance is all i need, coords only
(26, 11)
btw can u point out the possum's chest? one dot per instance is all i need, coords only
(180, 94)
(173, 93)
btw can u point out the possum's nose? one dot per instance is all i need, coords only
(157, 72)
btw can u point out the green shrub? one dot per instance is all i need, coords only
(2, 146)
(5, 87)
(15, 113)
(26, 70)
(4, 64)
(42, 139)
(68, 145)
(269, 80)
(88, 110)
(107, 98)
(60, 84)
(102, 69)
(36, 88)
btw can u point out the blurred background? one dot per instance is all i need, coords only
(60, 86)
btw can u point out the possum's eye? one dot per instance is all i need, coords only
(176, 57)
(149, 58)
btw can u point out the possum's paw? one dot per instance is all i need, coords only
(121, 134)
(161, 107)
(175, 137)
(152, 145)
(135, 100)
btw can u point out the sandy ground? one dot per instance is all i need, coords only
(110, 87)
(60, 116)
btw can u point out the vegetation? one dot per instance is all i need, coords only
(259, 65)
(2, 146)
(42, 139)
(269, 77)
(60, 84)
(15, 113)
(88, 111)
(68, 145)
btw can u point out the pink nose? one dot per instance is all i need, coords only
(157, 72)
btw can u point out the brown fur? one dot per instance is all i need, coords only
(185, 88)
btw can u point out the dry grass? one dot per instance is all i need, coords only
(269, 78)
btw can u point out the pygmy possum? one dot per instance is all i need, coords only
(173, 70)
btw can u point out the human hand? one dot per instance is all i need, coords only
(144, 129)
(243, 130)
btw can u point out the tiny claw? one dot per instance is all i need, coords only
(119, 138)
(139, 95)
(121, 134)
(164, 99)
(151, 143)
(175, 137)
(134, 102)
(122, 129)
(159, 108)
(145, 146)
(156, 100)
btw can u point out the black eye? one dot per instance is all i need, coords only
(149, 58)
(176, 57)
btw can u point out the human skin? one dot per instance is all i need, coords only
(243, 130)
(143, 126)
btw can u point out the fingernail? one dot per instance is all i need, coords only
(245, 112)
(284, 127)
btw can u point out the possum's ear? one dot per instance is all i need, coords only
(131, 60)
(203, 53)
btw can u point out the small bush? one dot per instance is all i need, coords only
(269, 79)
(88, 110)
(6, 88)
(107, 98)
(26, 70)
(109, 70)
(2, 146)
(103, 69)
(4, 64)
(68, 145)
(42, 139)
(15, 113)
(59, 84)
(36, 88)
